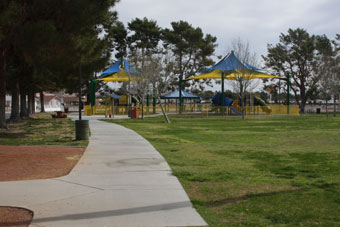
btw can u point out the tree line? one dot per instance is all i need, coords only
(44, 44)
(312, 63)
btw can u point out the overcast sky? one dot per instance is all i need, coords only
(259, 22)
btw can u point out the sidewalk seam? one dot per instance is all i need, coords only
(88, 186)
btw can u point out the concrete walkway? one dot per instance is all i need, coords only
(121, 180)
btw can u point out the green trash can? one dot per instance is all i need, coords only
(82, 129)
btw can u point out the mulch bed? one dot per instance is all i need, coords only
(29, 163)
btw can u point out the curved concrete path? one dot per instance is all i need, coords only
(121, 180)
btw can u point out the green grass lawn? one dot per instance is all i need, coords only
(41, 130)
(268, 171)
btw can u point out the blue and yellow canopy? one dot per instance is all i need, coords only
(216, 74)
(233, 69)
(115, 73)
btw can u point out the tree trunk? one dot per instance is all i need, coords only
(15, 109)
(42, 102)
(143, 107)
(29, 105)
(3, 89)
(327, 107)
(302, 106)
(339, 101)
(33, 103)
(303, 99)
(334, 105)
(164, 114)
(23, 105)
(30, 102)
(243, 110)
(242, 106)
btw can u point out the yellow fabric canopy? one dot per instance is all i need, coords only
(217, 74)
(120, 77)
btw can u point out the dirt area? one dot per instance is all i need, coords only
(37, 162)
(14, 216)
(29, 163)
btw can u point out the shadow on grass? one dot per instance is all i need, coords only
(12, 135)
(222, 202)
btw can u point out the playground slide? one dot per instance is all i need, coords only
(235, 110)
(263, 105)
(266, 109)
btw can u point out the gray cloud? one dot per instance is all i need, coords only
(258, 21)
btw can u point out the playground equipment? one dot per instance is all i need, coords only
(231, 68)
(228, 68)
(264, 106)
(228, 102)
(235, 108)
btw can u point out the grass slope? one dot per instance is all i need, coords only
(275, 171)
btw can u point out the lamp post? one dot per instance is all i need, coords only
(82, 126)
(79, 91)
(92, 92)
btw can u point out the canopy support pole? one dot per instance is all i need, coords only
(106, 107)
(154, 104)
(288, 87)
(180, 94)
(222, 92)
(113, 107)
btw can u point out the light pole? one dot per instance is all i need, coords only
(82, 126)
(79, 91)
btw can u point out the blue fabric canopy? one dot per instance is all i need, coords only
(115, 68)
(185, 95)
(129, 69)
(230, 63)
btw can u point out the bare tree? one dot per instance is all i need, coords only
(327, 67)
(325, 82)
(156, 76)
(336, 44)
(242, 81)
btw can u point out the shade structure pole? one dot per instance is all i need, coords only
(129, 99)
(288, 88)
(222, 92)
(180, 93)
(113, 107)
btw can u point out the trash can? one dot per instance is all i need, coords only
(134, 112)
(318, 110)
(82, 129)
